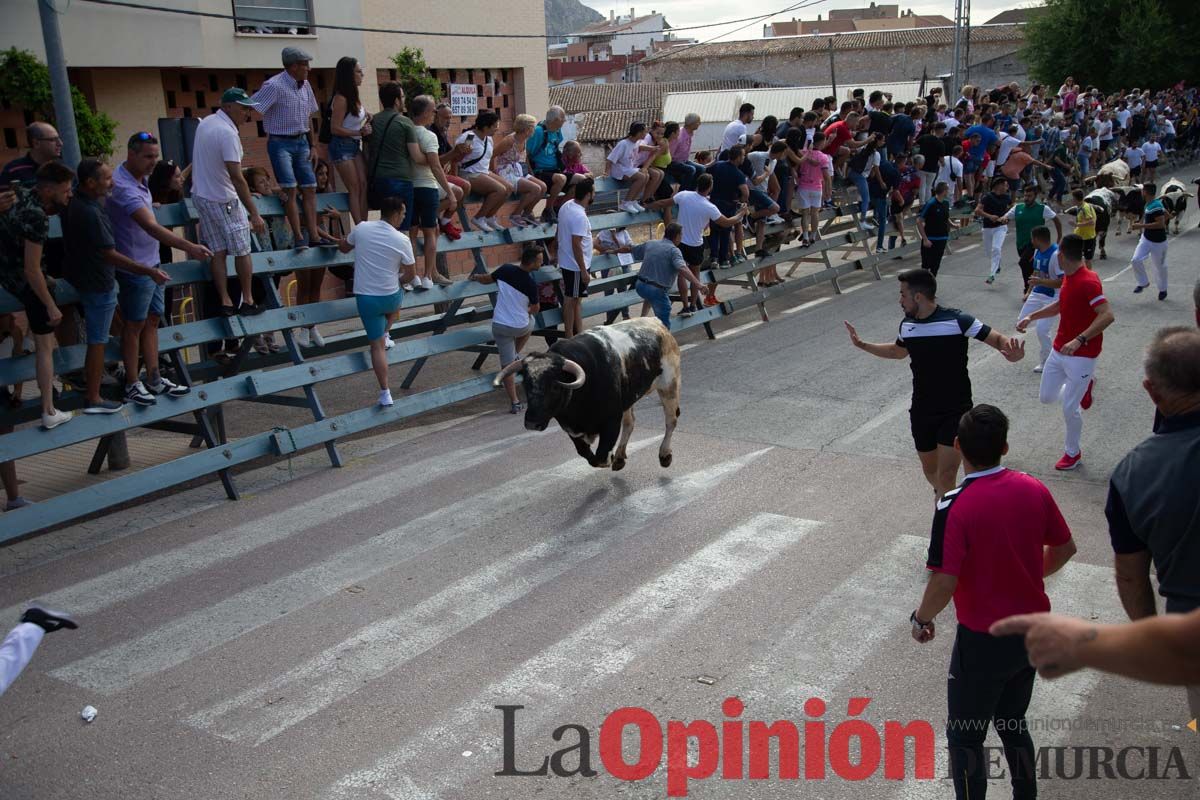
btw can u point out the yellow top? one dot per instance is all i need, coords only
(1085, 221)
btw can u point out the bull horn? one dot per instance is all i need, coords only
(514, 366)
(571, 367)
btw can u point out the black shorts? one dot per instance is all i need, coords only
(1151, 165)
(1089, 248)
(665, 190)
(1135, 171)
(931, 430)
(572, 285)
(39, 318)
(546, 176)
(693, 255)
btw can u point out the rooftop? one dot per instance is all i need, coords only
(631, 96)
(606, 26)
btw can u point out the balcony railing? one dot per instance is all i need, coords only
(276, 17)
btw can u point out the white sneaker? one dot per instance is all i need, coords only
(302, 338)
(385, 397)
(631, 207)
(388, 342)
(1038, 368)
(408, 287)
(54, 420)
(482, 224)
(865, 226)
(315, 337)
(775, 219)
(495, 223)
(427, 282)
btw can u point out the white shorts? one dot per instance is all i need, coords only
(810, 198)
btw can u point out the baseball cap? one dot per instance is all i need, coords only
(293, 54)
(238, 96)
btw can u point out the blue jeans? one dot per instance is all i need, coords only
(290, 161)
(139, 297)
(686, 172)
(658, 299)
(880, 206)
(98, 308)
(1083, 159)
(1059, 184)
(398, 187)
(864, 194)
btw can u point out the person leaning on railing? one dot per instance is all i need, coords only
(516, 303)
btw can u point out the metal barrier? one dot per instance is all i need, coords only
(450, 326)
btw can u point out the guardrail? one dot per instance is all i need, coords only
(451, 326)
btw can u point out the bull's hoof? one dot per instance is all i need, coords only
(665, 461)
(618, 464)
(1104, 256)
(598, 464)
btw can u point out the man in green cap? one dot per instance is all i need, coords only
(1030, 214)
(223, 200)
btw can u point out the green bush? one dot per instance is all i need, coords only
(413, 73)
(25, 83)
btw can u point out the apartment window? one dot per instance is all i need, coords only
(274, 17)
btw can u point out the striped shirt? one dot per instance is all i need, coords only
(937, 349)
(286, 107)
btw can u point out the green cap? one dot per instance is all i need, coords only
(238, 96)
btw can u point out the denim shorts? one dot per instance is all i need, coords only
(398, 187)
(423, 208)
(98, 308)
(139, 297)
(343, 148)
(760, 200)
(658, 299)
(289, 160)
(373, 310)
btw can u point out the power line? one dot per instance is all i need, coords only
(752, 20)
(450, 34)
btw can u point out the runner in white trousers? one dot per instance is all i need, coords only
(1069, 371)
(1153, 244)
(1043, 288)
(19, 645)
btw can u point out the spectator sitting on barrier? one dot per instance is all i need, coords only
(512, 319)
(736, 129)
(381, 253)
(92, 260)
(623, 168)
(573, 166)
(704, 158)
(349, 122)
(449, 155)
(682, 168)
(509, 164)
(663, 265)
(140, 298)
(433, 195)
(618, 242)
(476, 168)
(23, 233)
(658, 158)
(45, 145)
(543, 151)
(759, 169)
(731, 193)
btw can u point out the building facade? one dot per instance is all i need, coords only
(140, 66)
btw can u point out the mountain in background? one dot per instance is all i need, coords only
(564, 16)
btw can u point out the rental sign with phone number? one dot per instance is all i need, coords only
(464, 99)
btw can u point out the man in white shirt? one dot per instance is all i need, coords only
(1009, 141)
(696, 211)
(380, 252)
(222, 197)
(951, 173)
(737, 129)
(575, 254)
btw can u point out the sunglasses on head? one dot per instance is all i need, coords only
(143, 136)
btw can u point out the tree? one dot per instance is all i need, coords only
(25, 83)
(414, 74)
(1114, 44)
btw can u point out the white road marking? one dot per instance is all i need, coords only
(1112, 278)
(579, 662)
(734, 331)
(685, 347)
(108, 589)
(389, 643)
(122, 665)
(855, 288)
(806, 306)
(969, 247)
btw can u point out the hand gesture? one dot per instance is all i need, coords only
(1014, 349)
(1023, 324)
(857, 342)
(1052, 640)
(160, 276)
(258, 224)
(199, 252)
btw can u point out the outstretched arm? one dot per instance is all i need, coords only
(891, 350)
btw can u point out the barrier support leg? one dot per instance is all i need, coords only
(204, 424)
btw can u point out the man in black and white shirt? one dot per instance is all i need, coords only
(935, 338)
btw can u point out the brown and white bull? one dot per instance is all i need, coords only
(589, 384)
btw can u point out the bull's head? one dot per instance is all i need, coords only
(1129, 199)
(549, 379)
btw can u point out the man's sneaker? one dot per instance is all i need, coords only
(628, 207)
(1068, 461)
(17, 502)
(250, 309)
(1139, 289)
(47, 620)
(302, 338)
(516, 408)
(451, 230)
(990, 280)
(1086, 402)
(167, 386)
(385, 397)
(482, 224)
(687, 311)
(775, 219)
(388, 342)
(711, 300)
(50, 421)
(315, 337)
(408, 287)
(137, 393)
(1039, 368)
(1162, 295)
(103, 407)
(427, 282)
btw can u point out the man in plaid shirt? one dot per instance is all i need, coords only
(287, 104)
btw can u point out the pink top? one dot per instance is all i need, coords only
(681, 148)
(811, 176)
(578, 168)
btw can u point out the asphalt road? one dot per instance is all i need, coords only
(348, 633)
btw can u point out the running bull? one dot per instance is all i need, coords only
(590, 383)
(1173, 194)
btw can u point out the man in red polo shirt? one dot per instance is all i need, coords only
(1069, 372)
(994, 539)
(839, 139)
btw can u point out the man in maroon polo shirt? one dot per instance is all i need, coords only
(994, 539)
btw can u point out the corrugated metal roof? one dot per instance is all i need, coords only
(619, 96)
(609, 126)
(789, 45)
(713, 106)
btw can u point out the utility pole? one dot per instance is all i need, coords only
(832, 72)
(962, 37)
(64, 110)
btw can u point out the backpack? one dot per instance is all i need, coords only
(547, 147)
(858, 161)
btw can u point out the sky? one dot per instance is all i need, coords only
(680, 13)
